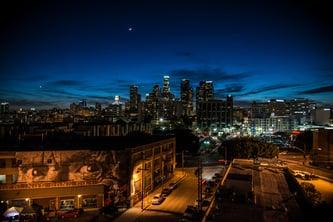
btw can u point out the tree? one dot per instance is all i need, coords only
(248, 148)
(311, 193)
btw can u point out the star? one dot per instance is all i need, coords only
(130, 29)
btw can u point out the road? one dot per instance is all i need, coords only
(175, 204)
(295, 162)
(185, 194)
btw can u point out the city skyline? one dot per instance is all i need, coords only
(56, 54)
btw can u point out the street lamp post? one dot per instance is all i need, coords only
(183, 161)
(142, 169)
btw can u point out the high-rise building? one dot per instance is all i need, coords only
(297, 109)
(215, 113)
(4, 108)
(259, 110)
(322, 147)
(135, 99)
(300, 109)
(83, 103)
(229, 110)
(322, 116)
(116, 108)
(152, 102)
(205, 91)
(98, 107)
(166, 86)
(186, 97)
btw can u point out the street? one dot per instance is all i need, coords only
(173, 207)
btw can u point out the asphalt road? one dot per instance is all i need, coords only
(185, 194)
(295, 162)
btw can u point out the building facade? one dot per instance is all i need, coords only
(215, 113)
(323, 147)
(85, 176)
(186, 97)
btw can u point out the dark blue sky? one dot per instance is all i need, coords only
(54, 53)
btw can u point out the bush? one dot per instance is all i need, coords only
(248, 148)
(311, 193)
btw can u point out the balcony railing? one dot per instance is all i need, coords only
(36, 185)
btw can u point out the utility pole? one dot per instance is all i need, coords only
(142, 179)
(183, 161)
(142, 186)
(199, 184)
(225, 155)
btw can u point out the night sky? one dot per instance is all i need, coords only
(54, 53)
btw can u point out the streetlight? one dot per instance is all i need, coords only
(142, 169)
(28, 201)
(78, 200)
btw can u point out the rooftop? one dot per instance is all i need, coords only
(72, 141)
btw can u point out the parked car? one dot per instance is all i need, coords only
(69, 213)
(109, 210)
(50, 214)
(211, 183)
(158, 199)
(172, 186)
(191, 213)
(302, 174)
(218, 175)
(166, 191)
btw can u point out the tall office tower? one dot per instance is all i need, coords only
(116, 107)
(152, 102)
(229, 110)
(215, 113)
(300, 109)
(186, 97)
(98, 107)
(4, 108)
(83, 103)
(155, 93)
(135, 98)
(260, 110)
(277, 107)
(166, 86)
(205, 91)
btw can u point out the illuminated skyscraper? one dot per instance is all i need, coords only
(186, 96)
(166, 86)
(4, 108)
(205, 91)
(135, 98)
(83, 103)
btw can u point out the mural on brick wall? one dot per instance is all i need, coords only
(80, 165)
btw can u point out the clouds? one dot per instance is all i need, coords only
(319, 90)
(270, 88)
(229, 89)
(213, 74)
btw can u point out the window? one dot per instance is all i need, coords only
(13, 162)
(2, 163)
(14, 178)
(2, 179)
(89, 203)
(67, 204)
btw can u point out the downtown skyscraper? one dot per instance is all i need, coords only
(186, 97)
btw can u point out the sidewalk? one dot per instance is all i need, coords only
(318, 171)
(134, 212)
